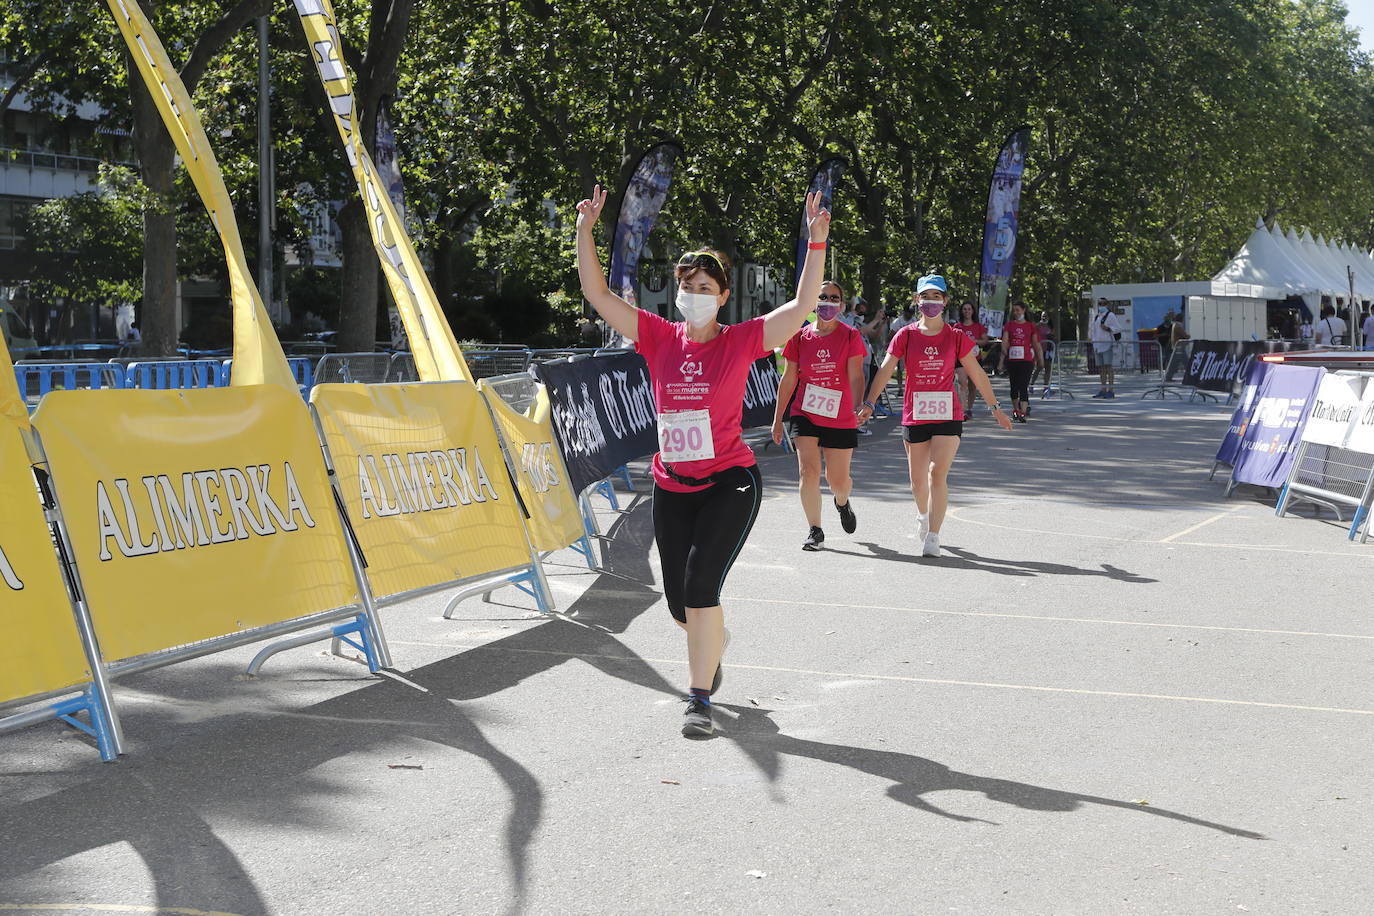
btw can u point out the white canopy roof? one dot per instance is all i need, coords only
(1265, 261)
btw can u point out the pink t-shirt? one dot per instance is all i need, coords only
(974, 331)
(823, 361)
(1019, 338)
(708, 376)
(930, 363)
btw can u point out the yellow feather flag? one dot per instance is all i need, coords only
(258, 357)
(437, 356)
(11, 398)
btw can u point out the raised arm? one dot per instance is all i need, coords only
(780, 324)
(618, 313)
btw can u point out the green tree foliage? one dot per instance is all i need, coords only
(1161, 129)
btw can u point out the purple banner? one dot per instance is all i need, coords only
(826, 177)
(1000, 227)
(1269, 444)
(1245, 411)
(639, 208)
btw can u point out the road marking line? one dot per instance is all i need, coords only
(105, 908)
(913, 680)
(1125, 623)
(1351, 554)
(1202, 524)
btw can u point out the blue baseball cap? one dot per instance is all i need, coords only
(931, 281)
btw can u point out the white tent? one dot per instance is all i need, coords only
(1357, 259)
(1333, 257)
(1262, 261)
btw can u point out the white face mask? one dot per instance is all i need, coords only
(697, 308)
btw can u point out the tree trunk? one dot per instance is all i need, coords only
(157, 318)
(358, 305)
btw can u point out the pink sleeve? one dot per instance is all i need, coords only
(792, 350)
(751, 338)
(964, 343)
(652, 329)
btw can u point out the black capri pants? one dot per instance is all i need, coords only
(1019, 372)
(700, 534)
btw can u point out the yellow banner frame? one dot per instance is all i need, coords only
(174, 497)
(437, 355)
(49, 646)
(555, 519)
(424, 481)
(258, 356)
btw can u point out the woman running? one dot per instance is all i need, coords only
(978, 333)
(1022, 339)
(932, 416)
(827, 360)
(706, 481)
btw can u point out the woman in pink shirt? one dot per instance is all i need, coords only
(978, 332)
(1023, 354)
(707, 486)
(826, 360)
(932, 414)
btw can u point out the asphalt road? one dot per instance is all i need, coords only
(1116, 692)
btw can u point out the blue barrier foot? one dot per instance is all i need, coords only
(528, 583)
(608, 491)
(359, 626)
(99, 729)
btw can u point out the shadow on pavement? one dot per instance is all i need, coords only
(255, 761)
(967, 559)
(915, 777)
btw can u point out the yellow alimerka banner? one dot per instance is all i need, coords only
(437, 356)
(40, 650)
(424, 481)
(258, 357)
(194, 513)
(555, 521)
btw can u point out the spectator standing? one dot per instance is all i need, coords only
(1046, 332)
(977, 332)
(1104, 330)
(1330, 329)
(1367, 329)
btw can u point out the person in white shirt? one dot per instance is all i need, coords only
(1104, 330)
(1367, 329)
(1329, 329)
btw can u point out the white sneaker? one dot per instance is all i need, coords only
(922, 527)
(932, 547)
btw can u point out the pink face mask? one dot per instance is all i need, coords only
(932, 309)
(827, 311)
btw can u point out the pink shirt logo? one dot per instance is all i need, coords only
(690, 370)
(823, 354)
(932, 351)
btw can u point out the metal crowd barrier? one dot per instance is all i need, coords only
(372, 368)
(302, 370)
(186, 373)
(37, 379)
(493, 363)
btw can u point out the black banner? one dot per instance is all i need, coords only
(1214, 365)
(602, 411)
(761, 393)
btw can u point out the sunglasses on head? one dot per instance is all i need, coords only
(696, 257)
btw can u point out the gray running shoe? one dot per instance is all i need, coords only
(696, 722)
(814, 538)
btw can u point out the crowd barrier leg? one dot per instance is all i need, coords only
(608, 491)
(624, 472)
(95, 700)
(529, 579)
(367, 624)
